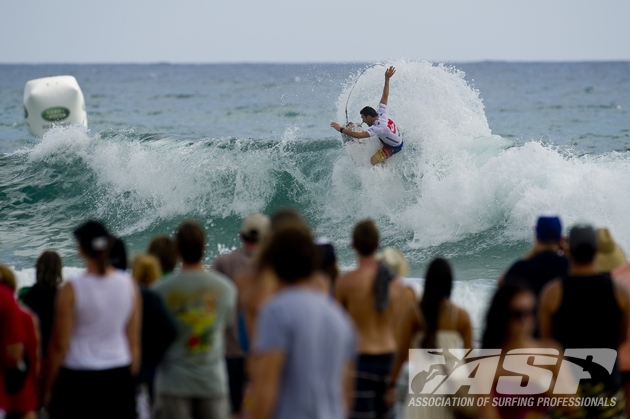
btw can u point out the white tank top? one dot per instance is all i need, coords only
(102, 308)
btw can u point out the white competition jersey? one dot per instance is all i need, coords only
(385, 129)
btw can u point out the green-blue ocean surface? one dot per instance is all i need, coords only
(488, 146)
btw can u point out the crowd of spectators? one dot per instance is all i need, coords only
(274, 330)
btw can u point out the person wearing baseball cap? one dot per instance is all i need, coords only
(587, 309)
(253, 230)
(545, 260)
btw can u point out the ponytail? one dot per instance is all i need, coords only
(102, 261)
(101, 257)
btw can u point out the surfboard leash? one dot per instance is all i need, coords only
(353, 85)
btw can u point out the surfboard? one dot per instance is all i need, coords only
(360, 149)
(352, 127)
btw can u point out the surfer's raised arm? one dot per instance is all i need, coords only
(388, 75)
(380, 125)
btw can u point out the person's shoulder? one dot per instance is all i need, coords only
(553, 286)
(217, 277)
(549, 254)
(6, 294)
(66, 294)
(152, 301)
(163, 283)
(622, 273)
(397, 284)
(28, 316)
(518, 265)
(224, 258)
(121, 275)
(551, 293)
(280, 306)
(26, 309)
(462, 314)
(148, 294)
(551, 259)
(621, 292)
(521, 269)
(23, 292)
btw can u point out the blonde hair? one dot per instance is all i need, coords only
(395, 260)
(7, 277)
(146, 269)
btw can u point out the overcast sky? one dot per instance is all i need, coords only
(282, 31)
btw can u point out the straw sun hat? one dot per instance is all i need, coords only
(609, 255)
(395, 259)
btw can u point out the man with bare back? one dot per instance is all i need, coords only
(371, 294)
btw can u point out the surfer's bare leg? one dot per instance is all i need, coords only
(381, 156)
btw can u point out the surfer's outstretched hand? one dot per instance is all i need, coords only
(390, 71)
(335, 125)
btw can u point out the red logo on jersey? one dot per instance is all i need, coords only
(391, 126)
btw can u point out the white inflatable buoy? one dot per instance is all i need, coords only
(53, 100)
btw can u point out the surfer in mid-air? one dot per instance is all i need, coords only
(379, 125)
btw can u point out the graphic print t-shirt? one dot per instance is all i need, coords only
(202, 304)
(385, 129)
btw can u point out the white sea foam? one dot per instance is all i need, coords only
(167, 178)
(455, 179)
(26, 277)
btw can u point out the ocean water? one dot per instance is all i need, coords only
(488, 146)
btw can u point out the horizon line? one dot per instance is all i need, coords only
(315, 62)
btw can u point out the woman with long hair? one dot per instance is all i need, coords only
(510, 323)
(41, 296)
(41, 299)
(510, 318)
(435, 323)
(95, 344)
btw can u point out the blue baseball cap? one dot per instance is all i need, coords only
(549, 228)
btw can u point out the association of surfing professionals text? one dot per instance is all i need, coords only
(424, 401)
